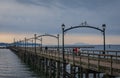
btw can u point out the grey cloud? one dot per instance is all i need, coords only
(48, 15)
(45, 3)
(90, 4)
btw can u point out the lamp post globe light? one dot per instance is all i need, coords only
(104, 26)
(63, 26)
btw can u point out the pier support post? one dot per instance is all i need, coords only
(94, 74)
(40, 63)
(86, 74)
(46, 66)
(58, 69)
(50, 69)
(81, 72)
(78, 72)
(72, 71)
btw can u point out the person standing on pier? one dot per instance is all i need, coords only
(46, 48)
(75, 51)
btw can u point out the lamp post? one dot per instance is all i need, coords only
(32, 45)
(104, 26)
(14, 42)
(35, 42)
(63, 27)
(25, 44)
(58, 42)
(41, 43)
(20, 43)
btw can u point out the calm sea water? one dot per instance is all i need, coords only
(108, 47)
(12, 67)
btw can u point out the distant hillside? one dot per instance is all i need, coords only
(81, 44)
(3, 44)
(20, 44)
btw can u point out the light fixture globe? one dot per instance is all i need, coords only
(63, 26)
(104, 26)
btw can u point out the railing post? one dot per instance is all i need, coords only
(98, 62)
(55, 52)
(88, 60)
(80, 58)
(68, 54)
(73, 58)
(111, 65)
(93, 54)
(116, 56)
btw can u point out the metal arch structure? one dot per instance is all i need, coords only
(57, 37)
(81, 26)
(49, 35)
(37, 38)
(85, 26)
(25, 41)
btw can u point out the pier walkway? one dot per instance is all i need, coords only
(51, 61)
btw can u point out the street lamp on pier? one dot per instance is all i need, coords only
(25, 43)
(35, 36)
(40, 43)
(63, 54)
(104, 26)
(58, 42)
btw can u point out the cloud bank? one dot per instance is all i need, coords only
(46, 16)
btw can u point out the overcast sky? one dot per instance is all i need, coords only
(46, 16)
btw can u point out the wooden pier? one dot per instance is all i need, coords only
(88, 61)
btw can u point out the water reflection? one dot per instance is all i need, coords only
(12, 67)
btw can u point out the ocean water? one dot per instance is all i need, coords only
(108, 47)
(12, 67)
